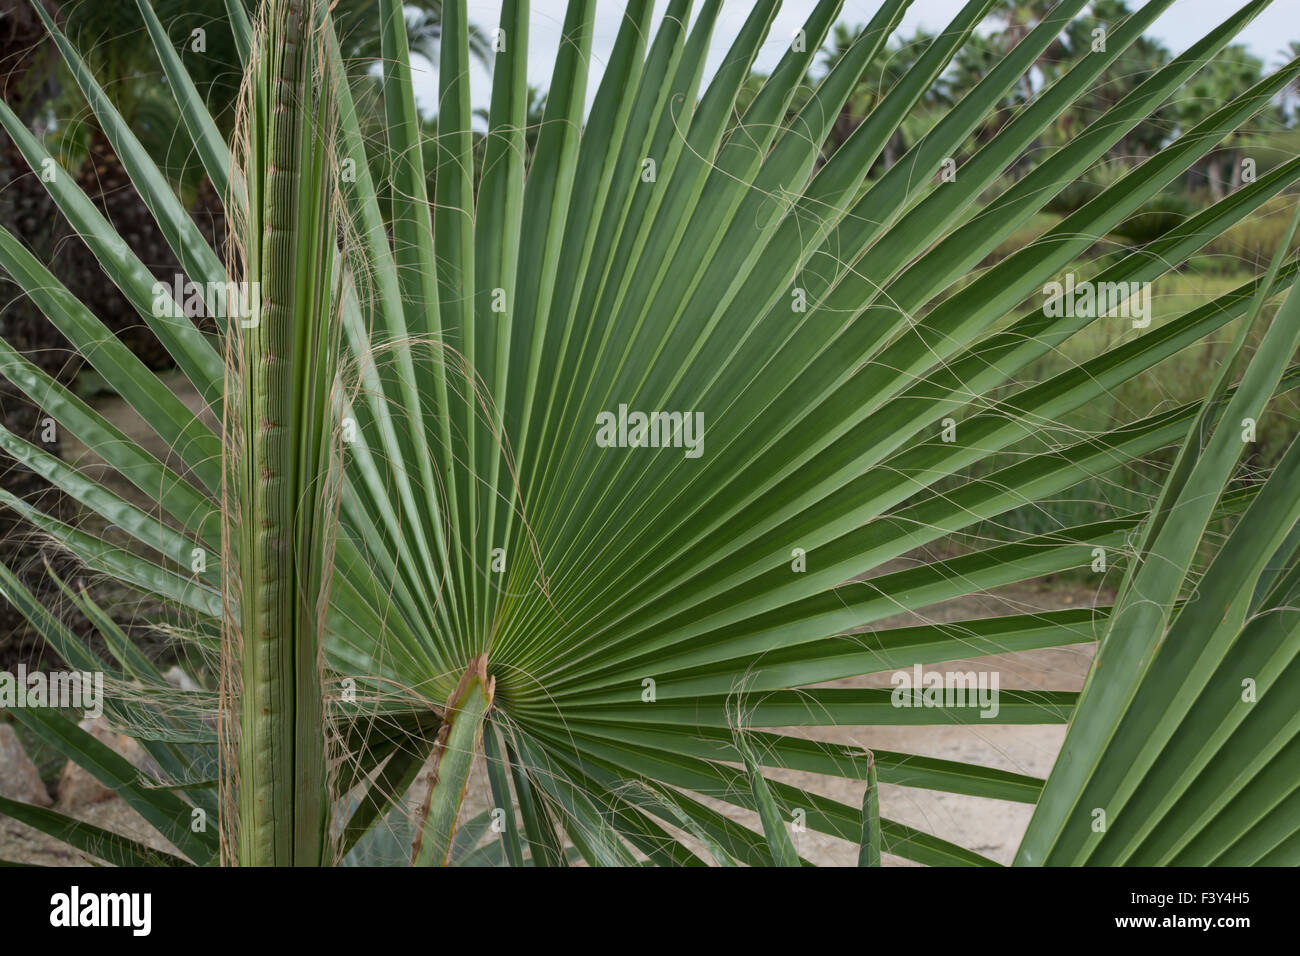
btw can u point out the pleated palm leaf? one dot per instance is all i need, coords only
(629, 634)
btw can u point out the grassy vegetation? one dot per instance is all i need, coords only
(1225, 264)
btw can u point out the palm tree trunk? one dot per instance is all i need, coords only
(453, 757)
(285, 468)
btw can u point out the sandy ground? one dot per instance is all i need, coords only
(991, 827)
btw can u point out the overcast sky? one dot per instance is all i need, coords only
(1182, 24)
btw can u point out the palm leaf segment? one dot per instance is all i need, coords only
(639, 608)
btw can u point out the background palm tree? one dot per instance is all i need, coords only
(1233, 70)
(116, 44)
(876, 84)
(1017, 18)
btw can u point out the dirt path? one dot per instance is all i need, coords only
(990, 827)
